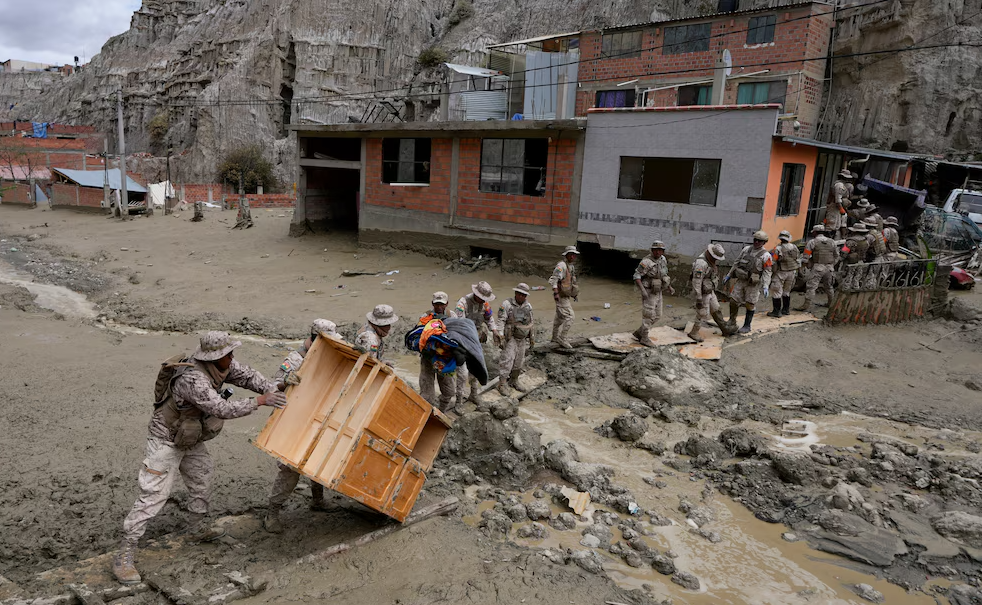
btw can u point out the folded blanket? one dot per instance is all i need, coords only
(449, 343)
(463, 331)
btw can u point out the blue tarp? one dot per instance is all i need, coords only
(40, 130)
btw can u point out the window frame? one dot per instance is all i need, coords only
(792, 176)
(526, 169)
(766, 30)
(700, 43)
(769, 95)
(612, 45)
(629, 93)
(398, 164)
(694, 172)
(699, 88)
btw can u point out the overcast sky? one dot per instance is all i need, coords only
(54, 31)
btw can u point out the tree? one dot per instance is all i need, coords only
(249, 161)
(158, 126)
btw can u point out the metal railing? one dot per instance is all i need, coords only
(888, 275)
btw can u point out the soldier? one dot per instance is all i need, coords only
(477, 308)
(651, 277)
(858, 212)
(875, 215)
(874, 237)
(752, 270)
(705, 278)
(429, 375)
(517, 324)
(891, 236)
(369, 338)
(820, 257)
(785, 258)
(856, 245)
(287, 478)
(565, 290)
(189, 411)
(838, 203)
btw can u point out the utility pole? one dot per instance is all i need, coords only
(105, 173)
(168, 187)
(124, 198)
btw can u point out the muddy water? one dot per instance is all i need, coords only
(752, 564)
(53, 298)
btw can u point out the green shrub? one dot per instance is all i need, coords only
(432, 56)
(461, 11)
(255, 169)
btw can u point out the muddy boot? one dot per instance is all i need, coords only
(746, 322)
(638, 334)
(786, 305)
(734, 309)
(123, 567)
(805, 307)
(271, 522)
(503, 387)
(776, 302)
(513, 381)
(724, 326)
(199, 530)
(694, 333)
(317, 502)
(474, 397)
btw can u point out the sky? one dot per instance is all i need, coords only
(55, 31)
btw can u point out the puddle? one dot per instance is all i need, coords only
(753, 564)
(53, 298)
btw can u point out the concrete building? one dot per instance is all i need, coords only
(16, 65)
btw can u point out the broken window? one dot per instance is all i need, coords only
(621, 45)
(792, 181)
(615, 98)
(515, 166)
(761, 93)
(687, 38)
(761, 30)
(695, 95)
(406, 161)
(673, 180)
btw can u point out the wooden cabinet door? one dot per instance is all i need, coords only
(406, 491)
(371, 472)
(400, 418)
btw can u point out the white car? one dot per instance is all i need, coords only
(966, 202)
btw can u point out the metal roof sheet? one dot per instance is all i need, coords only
(665, 22)
(96, 178)
(536, 39)
(893, 155)
(475, 71)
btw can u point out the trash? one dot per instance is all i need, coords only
(669, 306)
(633, 508)
(355, 273)
(855, 372)
(595, 318)
(207, 261)
(13, 249)
(606, 305)
(310, 291)
(264, 256)
(578, 501)
(124, 249)
(340, 286)
(388, 282)
(538, 288)
(392, 272)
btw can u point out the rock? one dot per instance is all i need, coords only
(629, 427)
(859, 475)
(561, 456)
(702, 515)
(506, 453)
(662, 374)
(742, 442)
(495, 524)
(713, 536)
(504, 409)
(663, 565)
(867, 592)
(697, 445)
(639, 409)
(633, 559)
(563, 522)
(660, 520)
(846, 497)
(963, 594)
(538, 510)
(686, 580)
(648, 442)
(590, 541)
(534, 531)
(797, 469)
(851, 536)
(134, 278)
(601, 532)
(974, 383)
(516, 513)
(461, 473)
(789, 537)
(961, 526)
(588, 560)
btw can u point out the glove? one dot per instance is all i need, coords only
(726, 279)
(273, 399)
(765, 291)
(281, 386)
(291, 378)
(555, 295)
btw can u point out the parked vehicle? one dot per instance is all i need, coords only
(967, 202)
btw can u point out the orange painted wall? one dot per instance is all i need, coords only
(785, 153)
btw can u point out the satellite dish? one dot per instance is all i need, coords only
(727, 63)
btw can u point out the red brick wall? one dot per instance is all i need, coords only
(63, 194)
(266, 200)
(552, 209)
(15, 193)
(90, 197)
(432, 198)
(27, 143)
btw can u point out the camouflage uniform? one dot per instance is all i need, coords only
(757, 264)
(564, 280)
(653, 273)
(820, 257)
(430, 377)
(786, 260)
(836, 206)
(369, 340)
(483, 317)
(517, 324)
(705, 280)
(892, 239)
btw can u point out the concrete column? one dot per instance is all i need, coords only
(454, 179)
(363, 186)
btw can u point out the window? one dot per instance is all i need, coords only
(687, 38)
(615, 98)
(621, 45)
(759, 93)
(761, 30)
(969, 202)
(695, 95)
(406, 161)
(792, 181)
(516, 166)
(678, 181)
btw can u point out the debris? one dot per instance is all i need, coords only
(578, 501)
(595, 318)
(388, 282)
(392, 272)
(264, 256)
(310, 291)
(686, 580)
(124, 249)
(590, 541)
(356, 273)
(865, 591)
(606, 305)
(538, 288)
(633, 508)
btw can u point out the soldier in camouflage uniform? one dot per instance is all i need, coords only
(858, 212)
(877, 245)
(370, 336)
(429, 375)
(820, 257)
(651, 277)
(891, 236)
(705, 278)
(854, 251)
(517, 324)
(752, 273)
(838, 203)
(287, 478)
(190, 413)
(476, 307)
(565, 290)
(785, 257)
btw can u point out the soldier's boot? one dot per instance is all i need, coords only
(475, 397)
(271, 522)
(694, 333)
(786, 305)
(734, 309)
(776, 302)
(806, 307)
(503, 387)
(746, 322)
(317, 502)
(199, 530)
(638, 334)
(727, 328)
(123, 566)
(513, 381)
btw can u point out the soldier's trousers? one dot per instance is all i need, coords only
(564, 318)
(161, 467)
(745, 292)
(710, 304)
(463, 379)
(284, 484)
(429, 378)
(782, 283)
(512, 357)
(651, 310)
(820, 275)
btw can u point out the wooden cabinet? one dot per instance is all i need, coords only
(355, 427)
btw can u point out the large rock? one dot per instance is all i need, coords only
(506, 453)
(662, 374)
(851, 536)
(963, 310)
(561, 456)
(798, 469)
(629, 427)
(742, 442)
(961, 526)
(697, 445)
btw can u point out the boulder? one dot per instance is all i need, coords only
(532, 531)
(506, 453)
(963, 310)
(962, 526)
(663, 565)
(797, 469)
(865, 591)
(538, 510)
(686, 580)
(742, 442)
(697, 445)
(629, 427)
(588, 560)
(496, 524)
(663, 375)
(561, 456)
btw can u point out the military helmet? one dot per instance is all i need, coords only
(657, 245)
(761, 236)
(784, 236)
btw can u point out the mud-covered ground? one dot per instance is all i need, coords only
(75, 390)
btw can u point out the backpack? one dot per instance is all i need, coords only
(170, 369)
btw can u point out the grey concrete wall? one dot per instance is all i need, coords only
(741, 139)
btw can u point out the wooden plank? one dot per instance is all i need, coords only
(623, 342)
(711, 349)
(347, 430)
(344, 390)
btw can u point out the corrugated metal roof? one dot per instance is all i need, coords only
(893, 155)
(96, 178)
(475, 71)
(536, 39)
(763, 9)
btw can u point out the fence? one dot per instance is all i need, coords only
(888, 292)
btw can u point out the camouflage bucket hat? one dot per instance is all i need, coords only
(382, 315)
(440, 298)
(214, 345)
(522, 288)
(716, 251)
(323, 327)
(482, 290)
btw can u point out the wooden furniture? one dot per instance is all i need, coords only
(355, 427)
